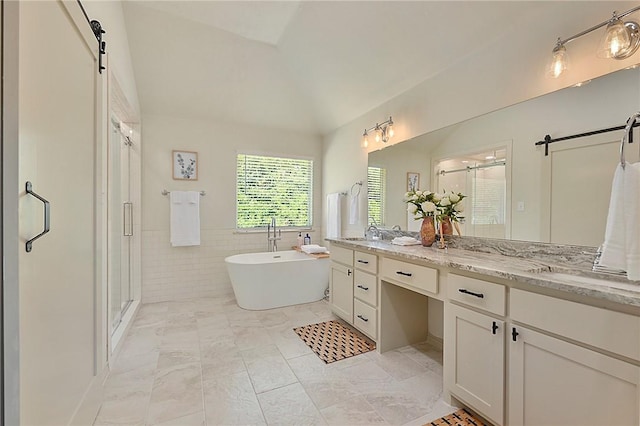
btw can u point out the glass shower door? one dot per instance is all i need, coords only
(120, 223)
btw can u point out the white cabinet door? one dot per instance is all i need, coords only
(474, 360)
(342, 291)
(552, 382)
(59, 128)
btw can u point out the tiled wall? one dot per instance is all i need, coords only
(178, 273)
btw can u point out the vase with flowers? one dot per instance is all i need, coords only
(449, 206)
(422, 205)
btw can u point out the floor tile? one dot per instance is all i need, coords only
(231, 400)
(354, 411)
(176, 392)
(289, 405)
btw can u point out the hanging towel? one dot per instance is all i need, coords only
(613, 248)
(354, 209)
(631, 217)
(185, 218)
(333, 215)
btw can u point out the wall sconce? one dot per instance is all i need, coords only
(382, 132)
(620, 40)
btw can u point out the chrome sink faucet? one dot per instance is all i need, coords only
(272, 244)
(375, 232)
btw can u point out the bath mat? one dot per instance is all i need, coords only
(333, 340)
(460, 418)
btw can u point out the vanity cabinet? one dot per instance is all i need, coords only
(341, 283)
(474, 345)
(354, 288)
(558, 375)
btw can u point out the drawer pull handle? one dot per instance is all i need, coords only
(363, 318)
(362, 287)
(406, 274)
(465, 291)
(514, 334)
(494, 328)
(348, 272)
(363, 261)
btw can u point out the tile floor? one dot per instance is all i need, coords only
(208, 362)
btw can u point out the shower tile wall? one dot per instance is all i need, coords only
(179, 273)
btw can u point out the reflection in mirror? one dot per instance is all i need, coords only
(482, 178)
(561, 198)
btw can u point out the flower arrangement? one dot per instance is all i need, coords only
(423, 204)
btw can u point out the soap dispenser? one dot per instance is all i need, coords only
(300, 239)
(307, 239)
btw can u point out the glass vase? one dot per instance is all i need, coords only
(446, 227)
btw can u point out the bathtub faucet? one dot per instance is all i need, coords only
(272, 244)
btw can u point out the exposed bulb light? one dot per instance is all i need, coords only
(365, 139)
(559, 61)
(616, 39)
(490, 157)
(382, 133)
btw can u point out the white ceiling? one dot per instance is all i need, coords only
(310, 66)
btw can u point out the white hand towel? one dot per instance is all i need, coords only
(631, 217)
(613, 248)
(185, 218)
(334, 213)
(405, 241)
(354, 210)
(310, 249)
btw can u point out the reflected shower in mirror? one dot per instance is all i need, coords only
(561, 197)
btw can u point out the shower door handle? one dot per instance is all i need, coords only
(127, 219)
(47, 216)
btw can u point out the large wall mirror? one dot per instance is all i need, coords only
(515, 190)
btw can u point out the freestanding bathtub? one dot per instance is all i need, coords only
(275, 279)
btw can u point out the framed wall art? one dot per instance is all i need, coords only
(185, 165)
(413, 181)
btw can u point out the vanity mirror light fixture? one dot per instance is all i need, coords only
(620, 41)
(382, 132)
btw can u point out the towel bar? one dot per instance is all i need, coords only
(165, 192)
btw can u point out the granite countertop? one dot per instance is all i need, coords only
(536, 264)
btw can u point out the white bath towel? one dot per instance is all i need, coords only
(621, 247)
(334, 213)
(354, 209)
(185, 218)
(313, 248)
(631, 218)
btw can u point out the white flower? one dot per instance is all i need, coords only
(426, 193)
(428, 207)
(412, 208)
(413, 198)
(418, 193)
(459, 207)
(437, 197)
(445, 201)
(454, 198)
(407, 196)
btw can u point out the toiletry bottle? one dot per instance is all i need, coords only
(300, 239)
(307, 239)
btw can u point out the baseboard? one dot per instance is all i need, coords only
(90, 404)
(434, 341)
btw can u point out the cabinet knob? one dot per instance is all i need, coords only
(362, 287)
(363, 318)
(514, 334)
(494, 328)
(349, 272)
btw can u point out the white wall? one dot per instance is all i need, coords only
(171, 273)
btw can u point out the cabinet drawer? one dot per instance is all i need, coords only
(342, 255)
(365, 261)
(365, 287)
(415, 277)
(602, 328)
(481, 294)
(365, 319)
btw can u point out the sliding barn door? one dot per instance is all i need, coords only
(59, 109)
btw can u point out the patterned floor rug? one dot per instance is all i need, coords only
(333, 340)
(460, 418)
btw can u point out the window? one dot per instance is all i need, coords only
(376, 189)
(277, 187)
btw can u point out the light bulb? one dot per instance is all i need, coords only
(615, 41)
(390, 131)
(365, 140)
(378, 137)
(559, 61)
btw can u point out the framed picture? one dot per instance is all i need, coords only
(413, 181)
(185, 165)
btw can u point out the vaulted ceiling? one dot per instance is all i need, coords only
(309, 66)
